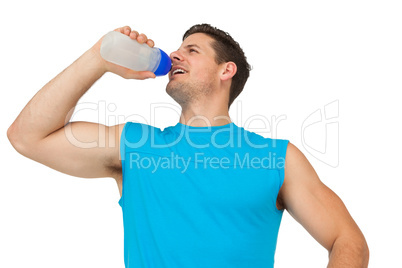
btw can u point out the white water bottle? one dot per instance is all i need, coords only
(120, 49)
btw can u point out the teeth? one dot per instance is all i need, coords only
(179, 71)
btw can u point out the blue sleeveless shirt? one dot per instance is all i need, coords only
(200, 196)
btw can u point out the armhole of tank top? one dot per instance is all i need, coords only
(281, 170)
(122, 157)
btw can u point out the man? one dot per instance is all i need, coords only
(202, 193)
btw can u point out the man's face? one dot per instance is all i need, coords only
(195, 72)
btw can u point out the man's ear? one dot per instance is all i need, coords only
(229, 69)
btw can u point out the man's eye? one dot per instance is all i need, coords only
(193, 50)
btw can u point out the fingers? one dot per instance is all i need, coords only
(141, 38)
(124, 30)
(150, 43)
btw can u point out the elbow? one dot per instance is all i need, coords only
(15, 139)
(362, 249)
(351, 250)
(365, 252)
(11, 135)
(362, 252)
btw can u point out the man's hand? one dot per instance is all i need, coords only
(119, 70)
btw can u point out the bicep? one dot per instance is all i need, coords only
(316, 207)
(82, 149)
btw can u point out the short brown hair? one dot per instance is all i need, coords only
(226, 49)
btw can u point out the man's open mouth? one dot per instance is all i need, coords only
(178, 70)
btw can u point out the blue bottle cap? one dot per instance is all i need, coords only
(164, 65)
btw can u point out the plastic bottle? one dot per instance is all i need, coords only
(120, 49)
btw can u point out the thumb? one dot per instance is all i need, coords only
(139, 75)
(147, 74)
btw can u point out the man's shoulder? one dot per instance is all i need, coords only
(256, 138)
(135, 130)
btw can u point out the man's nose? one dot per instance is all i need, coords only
(176, 56)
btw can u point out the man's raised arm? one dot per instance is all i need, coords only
(41, 132)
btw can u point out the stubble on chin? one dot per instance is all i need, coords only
(184, 93)
(178, 93)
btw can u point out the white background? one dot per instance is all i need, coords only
(305, 55)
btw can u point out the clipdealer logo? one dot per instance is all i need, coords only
(320, 134)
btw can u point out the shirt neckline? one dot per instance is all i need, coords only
(203, 131)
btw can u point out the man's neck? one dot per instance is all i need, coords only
(209, 116)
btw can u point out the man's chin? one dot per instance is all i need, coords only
(173, 86)
(170, 85)
(177, 94)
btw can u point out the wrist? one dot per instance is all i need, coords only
(96, 60)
